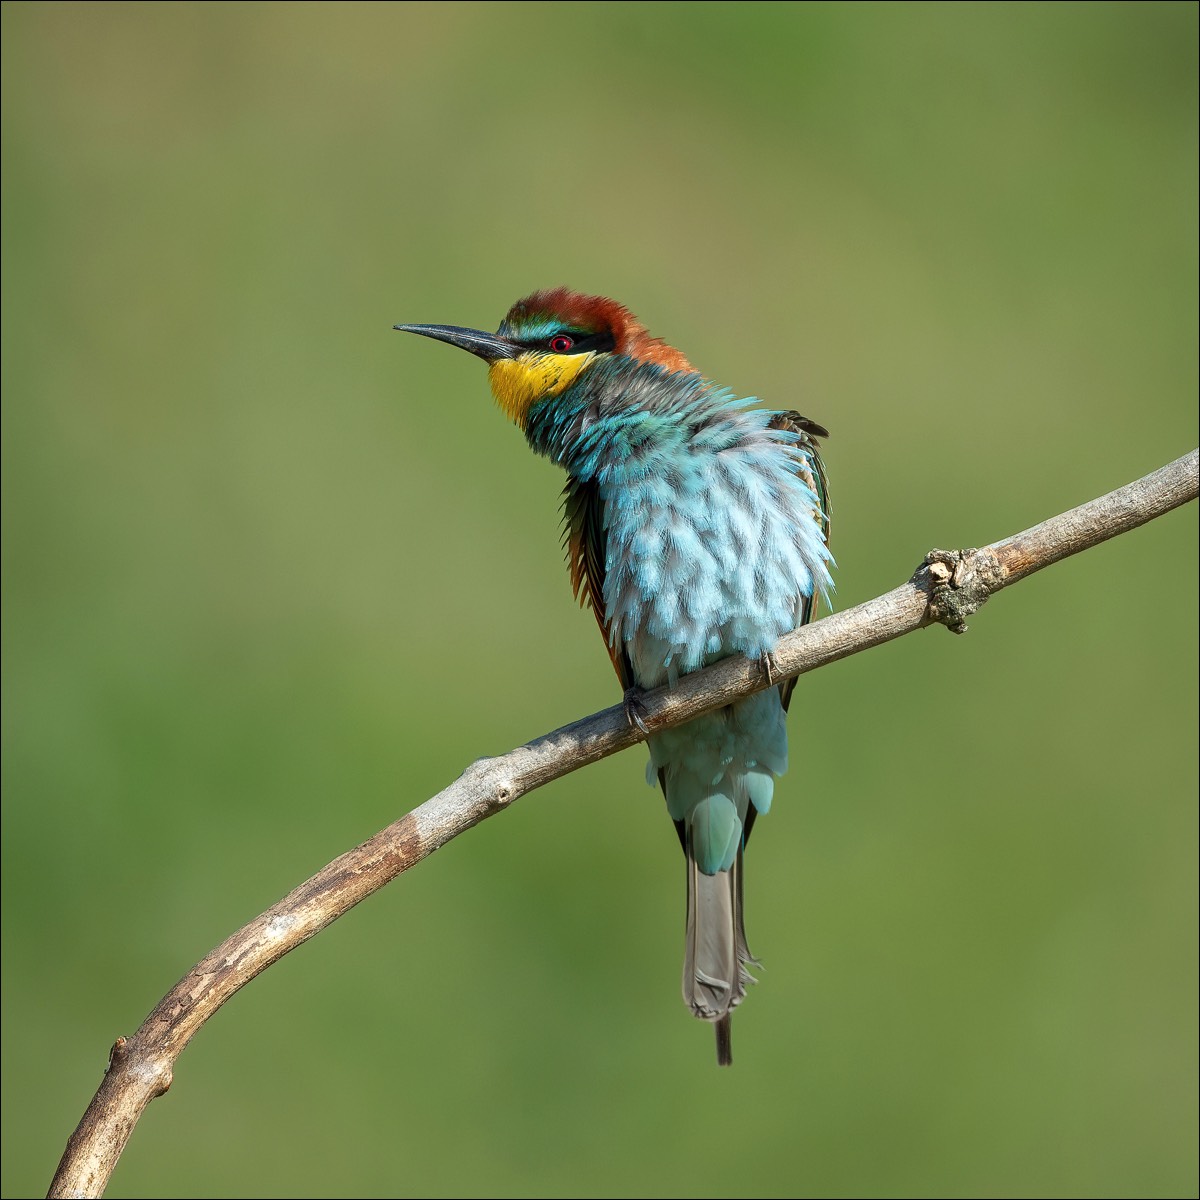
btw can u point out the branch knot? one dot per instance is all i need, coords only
(959, 583)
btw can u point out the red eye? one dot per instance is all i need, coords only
(560, 343)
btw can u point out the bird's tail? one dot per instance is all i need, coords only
(716, 954)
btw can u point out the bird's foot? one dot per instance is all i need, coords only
(635, 709)
(770, 667)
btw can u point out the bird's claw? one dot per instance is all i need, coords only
(635, 709)
(770, 667)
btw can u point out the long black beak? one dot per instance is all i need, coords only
(488, 346)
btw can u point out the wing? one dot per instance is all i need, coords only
(812, 471)
(585, 539)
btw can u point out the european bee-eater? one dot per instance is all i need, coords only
(696, 528)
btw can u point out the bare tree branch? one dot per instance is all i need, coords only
(948, 587)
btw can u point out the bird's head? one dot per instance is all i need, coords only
(547, 340)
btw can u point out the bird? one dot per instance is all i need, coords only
(696, 527)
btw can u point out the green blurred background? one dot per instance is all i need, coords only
(274, 574)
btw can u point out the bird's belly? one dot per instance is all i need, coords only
(703, 569)
(677, 616)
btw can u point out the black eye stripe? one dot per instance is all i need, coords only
(584, 343)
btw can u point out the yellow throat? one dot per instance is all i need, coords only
(518, 382)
